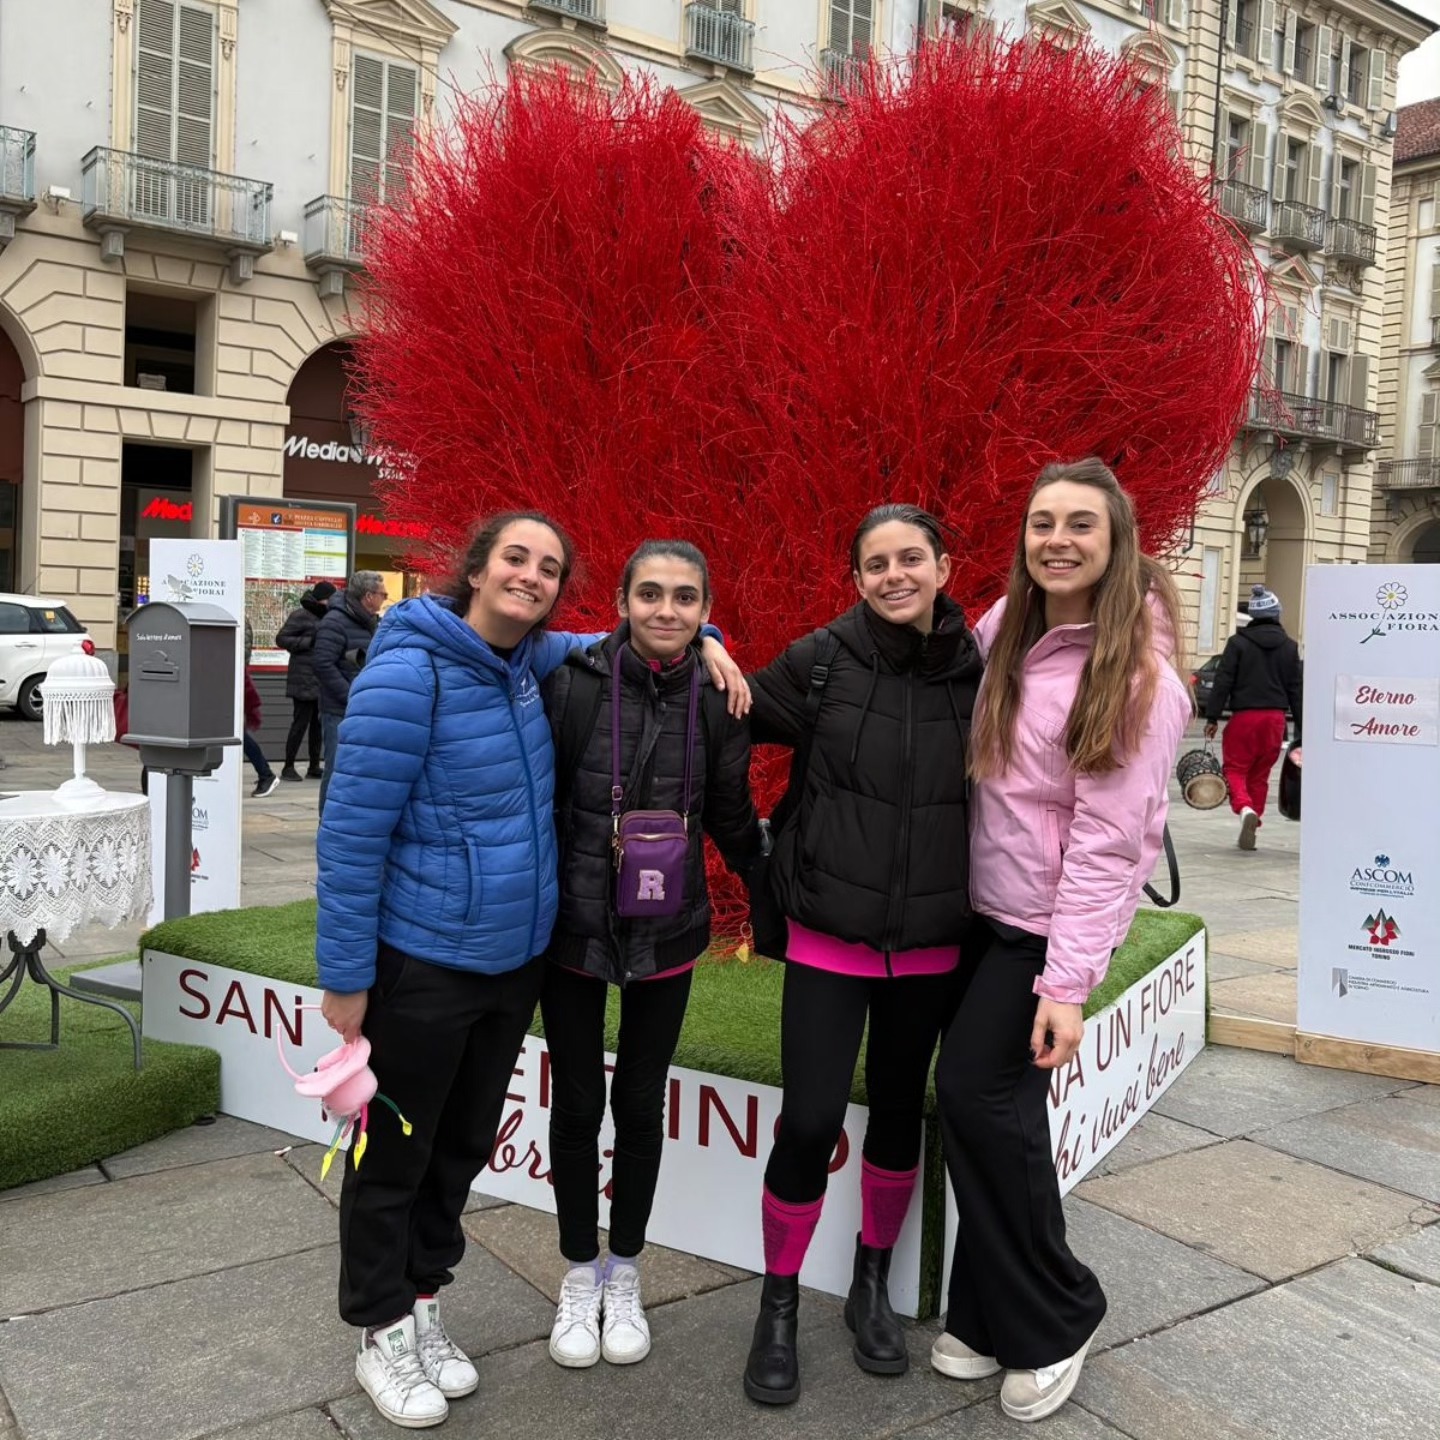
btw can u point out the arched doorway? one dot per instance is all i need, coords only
(1425, 546)
(1275, 514)
(12, 458)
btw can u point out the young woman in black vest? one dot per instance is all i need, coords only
(869, 869)
(679, 751)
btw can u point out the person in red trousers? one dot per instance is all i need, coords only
(1259, 676)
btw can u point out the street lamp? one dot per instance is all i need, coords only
(1257, 523)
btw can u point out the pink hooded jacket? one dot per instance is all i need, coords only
(1064, 855)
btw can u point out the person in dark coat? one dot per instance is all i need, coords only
(870, 869)
(297, 636)
(1259, 676)
(342, 640)
(665, 599)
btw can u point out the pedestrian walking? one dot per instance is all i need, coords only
(1258, 677)
(265, 778)
(867, 880)
(342, 641)
(1076, 728)
(297, 637)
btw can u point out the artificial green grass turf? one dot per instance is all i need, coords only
(61, 1109)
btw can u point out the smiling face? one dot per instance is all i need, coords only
(900, 575)
(666, 607)
(1067, 548)
(518, 585)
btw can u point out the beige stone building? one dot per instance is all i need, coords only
(1405, 520)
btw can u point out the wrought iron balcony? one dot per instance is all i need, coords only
(592, 12)
(335, 233)
(17, 179)
(1297, 226)
(842, 69)
(1351, 240)
(721, 36)
(1408, 474)
(1247, 205)
(1326, 421)
(125, 191)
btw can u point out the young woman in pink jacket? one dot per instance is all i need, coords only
(1076, 728)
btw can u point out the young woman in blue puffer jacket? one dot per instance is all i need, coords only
(437, 888)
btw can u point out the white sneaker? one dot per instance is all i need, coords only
(627, 1332)
(447, 1366)
(389, 1371)
(1249, 824)
(956, 1359)
(1034, 1394)
(575, 1336)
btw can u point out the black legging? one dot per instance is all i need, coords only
(651, 1013)
(304, 721)
(822, 1019)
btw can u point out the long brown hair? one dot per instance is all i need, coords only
(1117, 685)
(477, 557)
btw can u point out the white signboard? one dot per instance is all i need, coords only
(718, 1130)
(1369, 843)
(1129, 1057)
(210, 571)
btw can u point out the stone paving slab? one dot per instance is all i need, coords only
(1391, 1141)
(989, 1422)
(690, 1385)
(527, 1241)
(1257, 1209)
(1231, 967)
(1278, 946)
(105, 1239)
(1425, 1094)
(1417, 1255)
(305, 1159)
(71, 1180)
(1345, 1354)
(1128, 1258)
(298, 1425)
(1266, 997)
(214, 1351)
(225, 1139)
(1153, 1138)
(1232, 1092)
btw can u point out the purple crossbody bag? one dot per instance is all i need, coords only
(651, 847)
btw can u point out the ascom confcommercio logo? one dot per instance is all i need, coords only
(1383, 879)
(1392, 614)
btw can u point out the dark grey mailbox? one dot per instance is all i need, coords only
(182, 675)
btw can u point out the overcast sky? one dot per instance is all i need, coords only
(1420, 69)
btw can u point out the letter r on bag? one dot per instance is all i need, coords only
(652, 885)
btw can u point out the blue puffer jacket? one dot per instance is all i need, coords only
(438, 835)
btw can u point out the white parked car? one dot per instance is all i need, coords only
(34, 633)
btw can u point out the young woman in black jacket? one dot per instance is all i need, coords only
(869, 869)
(673, 727)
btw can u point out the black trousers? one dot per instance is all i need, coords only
(822, 1019)
(443, 1047)
(651, 1013)
(305, 717)
(1016, 1291)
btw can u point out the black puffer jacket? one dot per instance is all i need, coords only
(1260, 670)
(341, 642)
(297, 635)
(878, 851)
(653, 710)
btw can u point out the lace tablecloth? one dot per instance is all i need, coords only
(61, 869)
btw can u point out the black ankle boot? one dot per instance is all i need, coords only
(879, 1340)
(772, 1373)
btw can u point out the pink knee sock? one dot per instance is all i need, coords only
(787, 1229)
(884, 1203)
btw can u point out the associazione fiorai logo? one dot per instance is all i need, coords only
(1392, 614)
(1383, 878)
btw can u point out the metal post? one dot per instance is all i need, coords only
(179, 800)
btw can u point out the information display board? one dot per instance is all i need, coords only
(287, 548)
(1369, 859)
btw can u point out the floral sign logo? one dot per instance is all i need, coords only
(196, 566)
(1391, 595)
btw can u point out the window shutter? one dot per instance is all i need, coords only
(401, 85)
(1367, 194)
(155, 80)
(840, 26)
(367, 128)
(1277, 186)
(1268, 364)
(1375, 80)
(1314, 160)
(1324, 44)
(195, 88)
(1435, 291)
(1266, 27)
(1359, 381)
(1259, 145)
(1302, 370)
(1175, 14)
(862, 18)
(1337, 166)
(1425, 436)
(1231, 24)
(1222, 160)
(1342, 80)
(1287, 55)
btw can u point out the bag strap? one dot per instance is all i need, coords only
(575, 723)
(827, 645)
(617, 791)
(1174, 866)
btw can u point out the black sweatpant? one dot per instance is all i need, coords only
(443, 1047)
(822, 1019)
(651, 1013)
(1016, 1291)
(305, 717)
